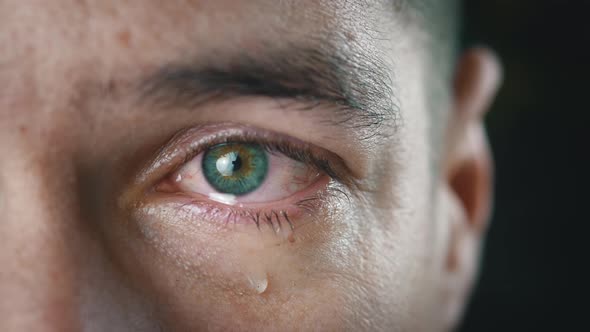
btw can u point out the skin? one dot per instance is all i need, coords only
(83, 247)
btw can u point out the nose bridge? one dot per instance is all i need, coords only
(37, 244)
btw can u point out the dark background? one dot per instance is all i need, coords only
(533, 276)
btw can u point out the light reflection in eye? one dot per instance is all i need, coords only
(235, 169)
(243, 172)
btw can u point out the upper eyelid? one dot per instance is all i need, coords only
(302, 153)
(187, 144)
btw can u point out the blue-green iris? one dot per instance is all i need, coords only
(235, 168)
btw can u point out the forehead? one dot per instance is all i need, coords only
(89, 29)
(42, 42)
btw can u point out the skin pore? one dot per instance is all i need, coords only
(106, 106)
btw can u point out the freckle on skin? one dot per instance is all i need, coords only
(23, 130)
(349, 36)
(124, 37)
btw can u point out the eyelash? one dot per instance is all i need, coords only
(309, 204)
(323, 161)
(267, 217)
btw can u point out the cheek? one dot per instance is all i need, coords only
(200, 276)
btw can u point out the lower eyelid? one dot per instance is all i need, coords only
(163, 217)
(183, 210)
(309, 189)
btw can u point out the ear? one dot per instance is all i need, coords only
(468, 173)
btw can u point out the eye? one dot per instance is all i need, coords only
(242, 172)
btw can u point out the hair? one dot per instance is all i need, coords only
(441, 20)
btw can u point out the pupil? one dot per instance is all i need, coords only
(229, 163)
(237, 162)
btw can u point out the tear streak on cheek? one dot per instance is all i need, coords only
(236, 257)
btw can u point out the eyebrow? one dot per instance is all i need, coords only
(357, 85)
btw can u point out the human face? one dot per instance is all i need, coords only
(109, 113)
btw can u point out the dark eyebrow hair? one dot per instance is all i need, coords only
(358, 85)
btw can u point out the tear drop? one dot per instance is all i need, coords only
(259, 285)
(223, 198)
